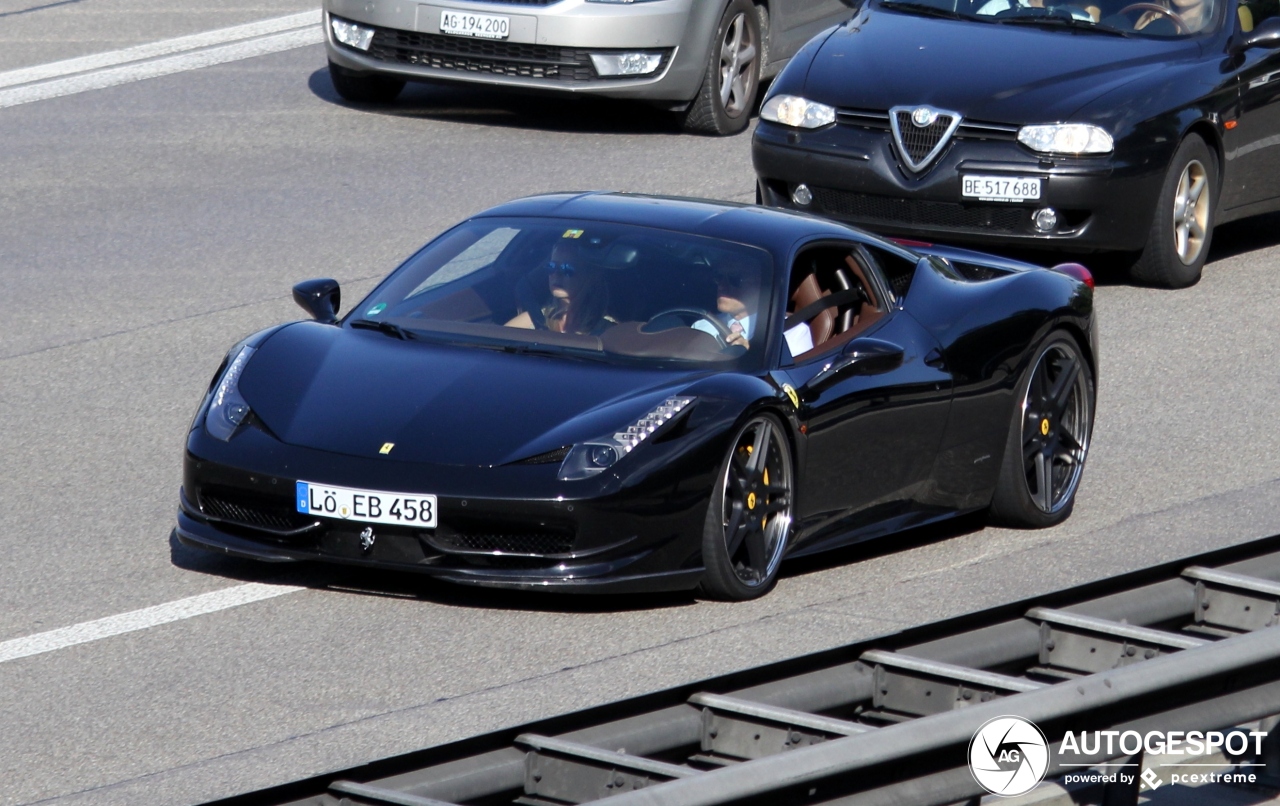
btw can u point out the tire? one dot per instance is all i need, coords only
(364, 88)
(1048, 442)
(727, 97)
(741, 560)
(1178, 243)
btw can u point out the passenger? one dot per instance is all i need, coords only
(579, 296)
(1194, 14)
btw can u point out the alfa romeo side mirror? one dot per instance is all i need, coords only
(320, 298)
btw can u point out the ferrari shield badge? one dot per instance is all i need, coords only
(791, 394)
(386, 448)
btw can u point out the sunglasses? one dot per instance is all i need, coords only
(730, 280)
(560, 268)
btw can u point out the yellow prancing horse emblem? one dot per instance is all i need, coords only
(386, 448)
(1044, 427)
(791, 394)
(751, 500)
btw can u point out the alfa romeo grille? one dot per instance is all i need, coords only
(914, 212)
(918, 142)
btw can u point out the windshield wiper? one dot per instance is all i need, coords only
(390, 328)
(554, 352)
(1052, 21)
(925, 10)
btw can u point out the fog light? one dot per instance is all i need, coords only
(625, 64)
(350, 33)
(1045, 219)
(802, 195)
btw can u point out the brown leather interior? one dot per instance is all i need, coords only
(808, 292)
(831, 329)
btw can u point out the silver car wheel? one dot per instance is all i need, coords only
(1191, 212)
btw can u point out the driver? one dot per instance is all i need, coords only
(737, 300)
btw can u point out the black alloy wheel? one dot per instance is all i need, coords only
(749, 519)
(727, 97)
(364, 88)
(1178, 243)
(1048, 438)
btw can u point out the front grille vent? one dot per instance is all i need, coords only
(550, 457)
(527, 543)
(916, 213)
(918, 145)
(254, 512)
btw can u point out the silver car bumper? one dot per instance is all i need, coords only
(548, 46)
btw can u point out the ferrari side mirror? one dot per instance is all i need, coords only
(859, 357)
(320, 298)
(1266, 35)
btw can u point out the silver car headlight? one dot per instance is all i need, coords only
(228, 409)
(1066, 138)
(351, 33)
(586, 459)
(792, 110)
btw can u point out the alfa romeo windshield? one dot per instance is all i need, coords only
(1162, 18)
(579, 288)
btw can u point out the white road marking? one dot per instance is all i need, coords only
(163, 58)
(142, 619)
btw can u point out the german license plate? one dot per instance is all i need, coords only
(366, 506)
(464, 23)
(1000, 188)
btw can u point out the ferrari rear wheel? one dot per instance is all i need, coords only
(749, 519)
(1178, 243)
(1048, 438)
(363, 88)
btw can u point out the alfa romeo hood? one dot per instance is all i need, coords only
(1012, 74)
(352, 392)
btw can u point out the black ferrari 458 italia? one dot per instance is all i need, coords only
(611, 392)
(1131, 126)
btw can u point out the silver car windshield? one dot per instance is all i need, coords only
(601, 290)
(1152, 18)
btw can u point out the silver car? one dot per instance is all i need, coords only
(703, 58)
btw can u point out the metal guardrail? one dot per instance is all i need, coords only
(1183, 646)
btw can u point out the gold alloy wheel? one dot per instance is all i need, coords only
(1191, 212)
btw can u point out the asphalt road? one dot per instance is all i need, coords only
(146, 227)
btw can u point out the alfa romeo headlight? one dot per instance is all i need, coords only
(1066, 138)
(792, 110)
(586, 459)
(228, 409)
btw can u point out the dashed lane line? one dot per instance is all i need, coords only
(101, 70)
(143, 619)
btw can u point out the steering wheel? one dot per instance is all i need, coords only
(1179, 25)
(722, 330)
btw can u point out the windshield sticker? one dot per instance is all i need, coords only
(572, 233)
(376, 309)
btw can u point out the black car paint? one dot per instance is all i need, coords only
(1149, 93)
(874, 453)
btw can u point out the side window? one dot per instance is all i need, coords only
(832, 297)
(896, 271)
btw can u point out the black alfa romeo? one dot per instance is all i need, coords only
(1086, 125)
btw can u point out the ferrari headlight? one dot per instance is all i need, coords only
(227, 409)
(1066, 138)
(792, 110)
(586, 459)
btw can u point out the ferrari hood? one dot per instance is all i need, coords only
(985, 71)
(355, 392)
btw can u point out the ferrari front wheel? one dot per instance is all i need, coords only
(749, 518)
(1048, 438)
(1178, 243)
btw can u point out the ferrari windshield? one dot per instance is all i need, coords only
(1153, 18)
(585, 288)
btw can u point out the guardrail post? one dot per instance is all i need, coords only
(1124, 793)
